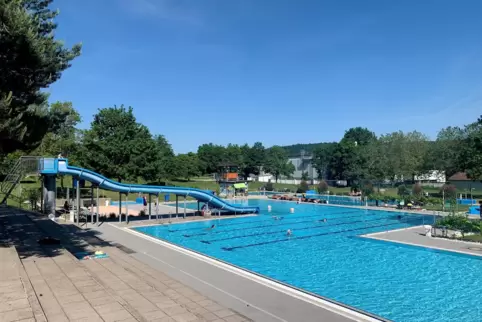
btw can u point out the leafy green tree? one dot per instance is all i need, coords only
(62, 134)
(253, 158)
(117, 146)
(471, 151)
(211, 157)
(277, 163)
(32, 59)
(233, 155)
(322, 156)
(445, 153)
(187, 166)
(405, 154)
(164, 163)
(305, 176)
(377, 165)
(349, 161)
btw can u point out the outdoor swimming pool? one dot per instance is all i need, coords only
(400, 283)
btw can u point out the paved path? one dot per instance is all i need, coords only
(415, 236)
(47, 283)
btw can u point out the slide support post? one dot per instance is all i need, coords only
(77, 192)
(177, 206)
(127, 208)
(92, 203)
(120, 207)
(97, 220)
(150, 207)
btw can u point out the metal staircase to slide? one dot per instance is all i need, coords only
(24, 166)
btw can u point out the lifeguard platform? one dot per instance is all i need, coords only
(228, 178)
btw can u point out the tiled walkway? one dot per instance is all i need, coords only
(49, 284)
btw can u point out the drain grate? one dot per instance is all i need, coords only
(126, 250)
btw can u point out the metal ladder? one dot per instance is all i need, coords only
(24, 166)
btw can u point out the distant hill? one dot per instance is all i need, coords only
(295, 149)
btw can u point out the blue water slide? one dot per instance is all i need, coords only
(61, 166)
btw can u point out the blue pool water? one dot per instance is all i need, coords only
(400, 283)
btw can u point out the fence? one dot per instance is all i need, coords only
(330, 199)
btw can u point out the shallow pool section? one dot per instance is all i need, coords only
(325, 255)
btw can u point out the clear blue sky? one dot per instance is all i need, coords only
(276, 71)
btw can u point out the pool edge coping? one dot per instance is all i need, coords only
(331, 305)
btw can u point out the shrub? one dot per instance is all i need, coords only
(460, 222)
(417, 189)
(402, 190)
(142, 213)
(322, 187)
(303, 187)
(449, 191)
(112, 215)
(367, 189)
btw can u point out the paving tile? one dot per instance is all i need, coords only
(214, 307)
(101, 300)
(90, 288)
(185, 317)
(199, 310)
(14, 305)
(197, 298)
(15, 315)
(192, 305)
(235, 318)
(166, 303)
(70, 298)
(223, 313)
(12, 296)
(108, 308)
(116, 316)
(183, 300)
(153, 315)
(58, 318)
(164, 319)
(79, 310)
(205, 302)
(209, 316)
(96, 294)
(174, 310)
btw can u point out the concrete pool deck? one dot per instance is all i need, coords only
(414, 236)
(140, 281)
(257, 298)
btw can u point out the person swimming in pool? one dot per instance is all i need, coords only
(289, 232)
(211, 228)
(322, 220)
(277, 218)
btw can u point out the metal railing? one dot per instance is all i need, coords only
(24, 166)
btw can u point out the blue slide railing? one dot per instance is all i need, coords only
(62, 167)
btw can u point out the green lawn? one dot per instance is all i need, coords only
(473, 238)
(212, 185)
